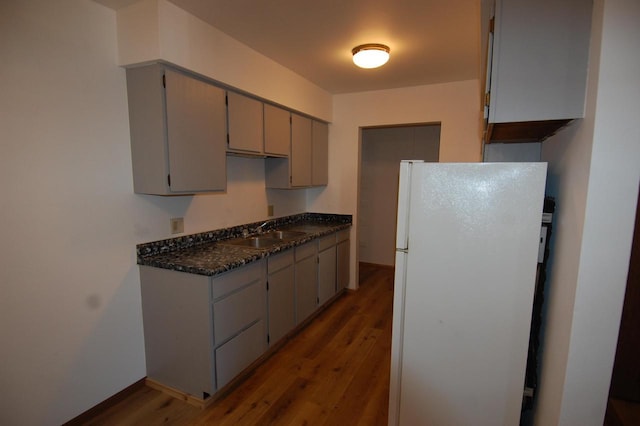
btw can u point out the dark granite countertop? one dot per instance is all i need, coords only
(207, 253)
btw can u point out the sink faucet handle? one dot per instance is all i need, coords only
(260, 228)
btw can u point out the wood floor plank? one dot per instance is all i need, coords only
(150, 407)
(369, 375)
(333, 372)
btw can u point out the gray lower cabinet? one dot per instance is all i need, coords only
(238, 353)
(239, 319)
(306, 280)
(280, 295)
(200, 332)
(326, 268)
(178, 132)
(178, 330)
(343, 249)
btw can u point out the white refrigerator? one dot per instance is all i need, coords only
(466, 257)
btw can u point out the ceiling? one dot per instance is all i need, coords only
(431, 41)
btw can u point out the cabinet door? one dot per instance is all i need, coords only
(539, 75)
(281, 303)
(306, 279)
(342, 264)
(245, 123)
(300, 151)
(320, 156)
(326, 274)
(277, 131)
(145, 98)
(196, 134)
(178, 332)
(239, 352)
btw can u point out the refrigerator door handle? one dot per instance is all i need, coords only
(404, 198)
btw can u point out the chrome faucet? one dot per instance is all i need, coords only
(260, 228)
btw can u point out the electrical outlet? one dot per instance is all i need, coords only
(177, 225)
(270, 210)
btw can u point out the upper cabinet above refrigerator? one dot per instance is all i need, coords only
(537, 56)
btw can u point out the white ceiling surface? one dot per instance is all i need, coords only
(431, 41)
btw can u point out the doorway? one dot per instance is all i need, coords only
(381, 151)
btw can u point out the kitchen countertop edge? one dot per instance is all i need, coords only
(206, 254)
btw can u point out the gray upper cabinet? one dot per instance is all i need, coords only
(300, 151)
(537, 67)
(178, 132)
(307, 164)
(277, 131)
(182, 126)
(320, 155)
(245, 124)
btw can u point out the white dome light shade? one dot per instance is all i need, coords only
(370, 55)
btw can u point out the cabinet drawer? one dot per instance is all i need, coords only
(326, 242)
(239, 352)
(279, 261)
(238, 278)
(342, 235)
(238, 310)
(305, 250)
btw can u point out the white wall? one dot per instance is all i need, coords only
(454, 105)
(382, 151)
(157, 29)
(70, 313)
(594, 174)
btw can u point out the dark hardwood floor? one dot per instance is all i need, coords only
(334, 372)
(622, 413)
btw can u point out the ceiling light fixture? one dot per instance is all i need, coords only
(370, 55)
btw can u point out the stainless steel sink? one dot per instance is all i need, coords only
(261, 242)
(264, 241)
(284, 235)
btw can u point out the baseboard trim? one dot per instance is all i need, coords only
(178, 394)
(106, 404)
